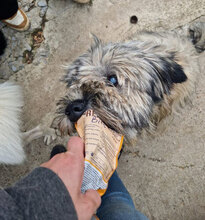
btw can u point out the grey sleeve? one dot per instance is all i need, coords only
(41, 196)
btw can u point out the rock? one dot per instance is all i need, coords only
(35, 23)
(42, 3)
(26, 47)
(50, 15)
(26, 8)
(16, 65)
(41, 55)
(43, 11)
(5, 71)
(14, 69)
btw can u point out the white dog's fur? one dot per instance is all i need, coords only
(12, 139)
(11, 103)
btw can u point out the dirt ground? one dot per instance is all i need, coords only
(165, 173)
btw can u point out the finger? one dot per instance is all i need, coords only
(76, 145)
(93, 199)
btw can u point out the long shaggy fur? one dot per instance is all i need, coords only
(155, 75)
(11, 102)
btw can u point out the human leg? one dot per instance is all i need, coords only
(8, 8)
(13, 16)
(117, 203)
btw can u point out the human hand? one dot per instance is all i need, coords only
(69, 166)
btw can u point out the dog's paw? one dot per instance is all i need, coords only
(32, 134)
(196, 33)
(39, 131)
(50, 136)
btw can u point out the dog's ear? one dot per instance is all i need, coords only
(95, 54)
(166, 73)
(96, 42)
(96, 50)
(171, 72)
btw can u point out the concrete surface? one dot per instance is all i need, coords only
(164, 173)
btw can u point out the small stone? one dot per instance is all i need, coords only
(14, 69)
(31, 4)
(43, 11)
(13, 44)
(26, 8)
(44, 52)
(24, 2)
(27, 47)
(42, 3)
(35, 23)
(17, 65)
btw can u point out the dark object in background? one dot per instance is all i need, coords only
(133, 19)
(3, 43)
(59, 148)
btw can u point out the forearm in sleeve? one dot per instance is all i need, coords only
(40, 195)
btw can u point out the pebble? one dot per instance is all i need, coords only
(42, 3)
(14, 69)
(27, 47)
(43, 11)
(17, 65)
(26, 8)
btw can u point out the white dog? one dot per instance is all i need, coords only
(11, 103)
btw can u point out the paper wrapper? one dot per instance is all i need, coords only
(102, 147)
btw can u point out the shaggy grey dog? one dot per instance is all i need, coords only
(131, 85)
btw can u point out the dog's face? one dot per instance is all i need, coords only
(118, 82)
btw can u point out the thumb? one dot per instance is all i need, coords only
(76, 145)
(93, 200)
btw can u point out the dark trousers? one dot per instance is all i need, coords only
(8, 8)
(117, 203)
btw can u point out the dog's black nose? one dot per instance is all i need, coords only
(75, 109)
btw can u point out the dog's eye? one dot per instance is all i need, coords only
(113, 80)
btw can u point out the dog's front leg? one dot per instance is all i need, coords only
(39, 131)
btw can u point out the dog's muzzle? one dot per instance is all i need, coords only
(75, 109)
